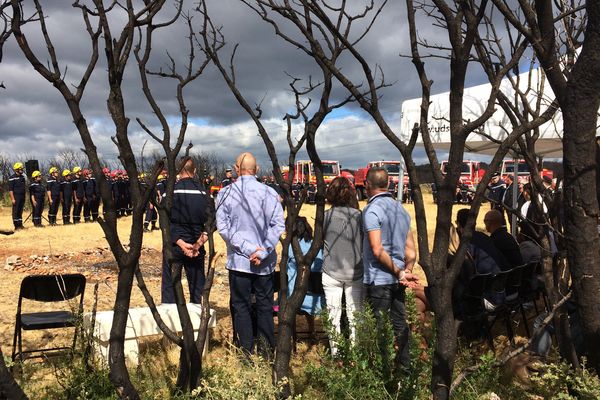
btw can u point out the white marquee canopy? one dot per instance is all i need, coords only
(475, 99)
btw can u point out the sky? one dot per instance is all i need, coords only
(35, 122)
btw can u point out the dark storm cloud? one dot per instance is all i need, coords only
(35, 120)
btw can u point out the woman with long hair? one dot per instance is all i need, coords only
(342, 255)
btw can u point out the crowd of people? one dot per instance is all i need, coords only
(367, 256)
(76, 192)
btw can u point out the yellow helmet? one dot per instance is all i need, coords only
(76, 170)
(35, 174)
(66, 172)
(53, 170)
(142, 175)
(18, 165)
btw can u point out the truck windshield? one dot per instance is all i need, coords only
(523, 168)
(330, 169)
(392, 168)
(465, 169)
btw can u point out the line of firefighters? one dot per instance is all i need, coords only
(76, 192)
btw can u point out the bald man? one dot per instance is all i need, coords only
(504, 242)
(250, 220)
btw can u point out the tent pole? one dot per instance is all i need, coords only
(515, 194)
(400, 185)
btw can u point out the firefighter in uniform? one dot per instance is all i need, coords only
(189, 214)
(228, 179)
(127, 196)
(16, 190)
(37, 193)
(91, 203)
(78, 194)
(151, 214)
(66, 196)
(53, 192)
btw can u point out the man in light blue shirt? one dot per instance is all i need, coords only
(388, 258)
(250, 221)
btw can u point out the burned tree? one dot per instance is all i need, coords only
(138, 23)
(322, 23)
(310, 121)
(573, 77)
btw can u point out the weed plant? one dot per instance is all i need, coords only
(365, 369)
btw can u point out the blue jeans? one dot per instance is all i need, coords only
(242, 286)
(389, 299)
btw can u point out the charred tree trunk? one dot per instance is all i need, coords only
(580, 107)
(119, 374)
(9, 388)
(446, 344)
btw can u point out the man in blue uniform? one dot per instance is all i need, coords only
(78, 194)
(151, 213)
(37, 193)
(92, 197)
(16, 190)
(53, 192)
(66, 196)
(189, 216)
(228, 178)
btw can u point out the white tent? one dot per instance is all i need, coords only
(475, 98)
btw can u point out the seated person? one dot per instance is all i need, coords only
(528, 245)
(482, 258)
(312, 304)
(504, 242)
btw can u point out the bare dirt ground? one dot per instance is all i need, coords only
(82, 248)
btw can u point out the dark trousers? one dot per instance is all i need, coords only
(37, 211)
(87, 213)
(66, 210)
(94, 205)
(241, 287)
(17, 210)
(389, 299)
(77, 208)
(151, 216)
(194, 272)
(53, 210)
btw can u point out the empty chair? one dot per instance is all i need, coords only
(47, 289)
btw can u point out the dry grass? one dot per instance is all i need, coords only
(83, 237)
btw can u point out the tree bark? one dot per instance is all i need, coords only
(119, 375)
(446, 345)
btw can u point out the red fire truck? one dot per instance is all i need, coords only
(523, 172)
(305, 177)
(393, 169)
(470, 174)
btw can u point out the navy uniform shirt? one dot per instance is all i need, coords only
(161, 188)
(37, 190)
(91, 188)
(78, 187)
(16, 184)
(190, 210)
(53, 187)
(66, 187)
(226, 181)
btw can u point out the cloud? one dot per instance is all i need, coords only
(34, 118)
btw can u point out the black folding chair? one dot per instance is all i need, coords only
(47, 289)
(471, 304)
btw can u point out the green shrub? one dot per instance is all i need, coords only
(366, 370)
(560, 381)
